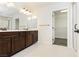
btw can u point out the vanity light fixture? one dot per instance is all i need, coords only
(25, 11)
(28, 13)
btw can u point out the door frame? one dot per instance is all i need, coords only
(54, 23)
(70, 25)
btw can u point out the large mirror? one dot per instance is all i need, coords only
(12, 18)
(23, 22)
(5, 23)
(17, 24)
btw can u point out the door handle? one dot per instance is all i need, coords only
(76, 30)
(75, 26)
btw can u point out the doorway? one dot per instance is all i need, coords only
(60, 27)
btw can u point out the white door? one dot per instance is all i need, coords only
(74, 24)
(78, 28)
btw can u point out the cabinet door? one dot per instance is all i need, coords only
(22, 39)
(5, 46)
(35, 36)
(26, 39)
(15, 45)
(29, 40)
(18, 42)
(32, 37)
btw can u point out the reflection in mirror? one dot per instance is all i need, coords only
(17, 23)
(60, 25)
(32, 22)
(13, 19)
(23, 22)
(5, 23)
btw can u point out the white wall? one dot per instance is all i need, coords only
(44, 14)
(61, 25)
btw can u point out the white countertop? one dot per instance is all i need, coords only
(17, 30)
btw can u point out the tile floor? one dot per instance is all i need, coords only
(60, 41)
(45, 50)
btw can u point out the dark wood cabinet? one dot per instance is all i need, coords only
(13, 42)
(29, 40)
(5, 46)
(22, 39)
(18, 42)
(31, 37)
(34, 36)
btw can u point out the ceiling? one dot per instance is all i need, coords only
(8, 11)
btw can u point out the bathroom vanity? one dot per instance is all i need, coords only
(13, 41)
(17, 32)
